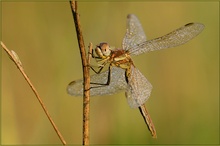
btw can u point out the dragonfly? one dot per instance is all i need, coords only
(122, 75)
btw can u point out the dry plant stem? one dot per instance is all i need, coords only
(17, 62)
(86, 77)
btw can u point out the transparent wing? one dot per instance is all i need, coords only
(139, 88)
(172, 39)
(134, 34)
(117, 83)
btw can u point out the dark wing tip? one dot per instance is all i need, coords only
(189, 24)
(194, 23)
(129, 16)
(71, 83)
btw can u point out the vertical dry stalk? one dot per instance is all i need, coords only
(86, 77)
(14, 57)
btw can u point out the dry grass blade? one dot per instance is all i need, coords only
(14, 57)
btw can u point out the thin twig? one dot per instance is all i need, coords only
(86, 77)
(14, 57)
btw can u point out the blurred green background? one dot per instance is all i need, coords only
(184, 103)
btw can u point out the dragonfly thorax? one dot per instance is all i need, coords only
(103, 50)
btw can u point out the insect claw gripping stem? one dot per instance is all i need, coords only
(91, 53)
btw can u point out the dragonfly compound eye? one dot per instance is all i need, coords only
(106, 51)
(98, 51)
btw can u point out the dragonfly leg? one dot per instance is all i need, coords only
(97, 58)
(108, 81)
(100, 59)
(97, 72)
(93, 56)
(100, 67)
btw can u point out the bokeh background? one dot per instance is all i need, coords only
(184, 104)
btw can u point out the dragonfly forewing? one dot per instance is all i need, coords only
(139, 88)
(117, 83)
(175, 38)
(134, 33)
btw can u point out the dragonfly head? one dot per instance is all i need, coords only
(103, 50)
